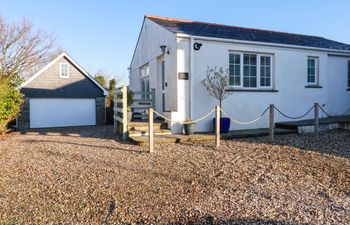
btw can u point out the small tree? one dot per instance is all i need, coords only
(10, 102)
(101, 80)
(22, 49)
(111, 87)
(216, 82)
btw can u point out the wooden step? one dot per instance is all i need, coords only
(143, 126)
(145, 133)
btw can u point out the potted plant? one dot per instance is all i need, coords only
(216, 83)
(189, 127)
(130, 97)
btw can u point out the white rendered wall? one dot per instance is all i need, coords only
(290, 73)
(152, 36)
(338, 100)
(290, 81)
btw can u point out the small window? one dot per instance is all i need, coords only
(312, 70)
(349, 74)
(64, 70)
(145, 81)
(144, 70)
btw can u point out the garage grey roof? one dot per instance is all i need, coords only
(246, 34)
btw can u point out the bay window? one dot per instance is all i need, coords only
(250, 70)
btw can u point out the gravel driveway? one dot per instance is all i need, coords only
(84, 176)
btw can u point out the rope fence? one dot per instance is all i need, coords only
(248, 122)
(294, 117)
(330, 115)
(184, 122)
(316, 107)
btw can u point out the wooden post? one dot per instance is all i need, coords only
(150, 130)
(272, 123)
(153, 97)
(125, 112)
(115, 122)
(316, 116)
(217, 126)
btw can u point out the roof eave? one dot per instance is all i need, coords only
(64, 54)
(205, 38)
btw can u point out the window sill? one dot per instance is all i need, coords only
(250, 90)
(313, 86)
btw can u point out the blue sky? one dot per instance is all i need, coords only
(102, 34)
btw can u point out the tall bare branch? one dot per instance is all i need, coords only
(22, 48)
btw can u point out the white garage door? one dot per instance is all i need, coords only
(53, 112)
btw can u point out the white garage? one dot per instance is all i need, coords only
(61, 112)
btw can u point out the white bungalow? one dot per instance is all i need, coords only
(292, 71)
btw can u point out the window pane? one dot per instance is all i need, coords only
(64, 70)
(262, 71)
(245, 81)
(253, 82)
(232, 69)
(262, 82)
(253, 71)
(268, 61)
(268, 82)
(237, 59)
(232, 58)
(253, 59)
(312, 70)
(246, 71)
(265, 71)
(268, 71)
(250, 70)
(246, 59)
(237, 81)
(231, 80)
(237, 70)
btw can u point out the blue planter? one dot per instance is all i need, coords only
(224, 124)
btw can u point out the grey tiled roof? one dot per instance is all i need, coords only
(247, 34)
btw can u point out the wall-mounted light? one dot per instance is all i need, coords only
(197, 46)
(163, 49)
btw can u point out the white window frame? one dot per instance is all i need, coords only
(317, 63)
(144, 77)
(258, 85)
(61, 75)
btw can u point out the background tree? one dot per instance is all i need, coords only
(100, 77)
(111, 87)
(21, 49)
(10, 102)
(216, 82)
